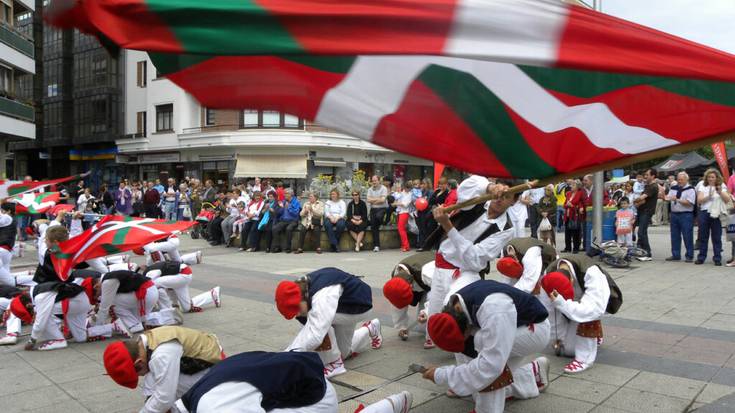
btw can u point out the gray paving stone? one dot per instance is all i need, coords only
(21, 382)
(443, 404)
(713, 391)
(118, 400)
(666, 385)
(577, 389)
(66, 406)
(548, 403)
(606, 374)
(642, 401)
(36, 398)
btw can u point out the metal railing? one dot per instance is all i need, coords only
(16, 40)
(16, 109)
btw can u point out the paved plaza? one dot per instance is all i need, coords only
(671, 348)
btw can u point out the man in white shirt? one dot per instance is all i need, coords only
(534, 196)
(377, 199)
(8, 232)
(683, 198)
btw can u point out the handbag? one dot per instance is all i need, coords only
(186, 213)
(545, 225)
(572, 224)
(730, 227)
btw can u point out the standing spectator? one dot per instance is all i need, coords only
(267, 187)
(561, 198)
(123, 199)
(402, 204)
(288, 221)
(646, 207)
(255, 187)
(546, 208)
(335, 211)
(437, 198)
(209, 194)
(422, 216)
(534, 219)
(357, 219)
(271, 210)
(390, 199)
(659, 215)
(83, 200)
(377, 198)
(624, 219)
(682, 197)
(311, 221)
(233, 214)
(169, 200)
(137, 200)
(159, 187)
(195, 191)
(452, 195)
(573, 213)
(108, 202)
(250, 236)
(151, 199)
(712, 196)
(183, 203)
(518, 214)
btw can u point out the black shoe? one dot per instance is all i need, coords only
(288, 251)
(689, 260)
(564, 251)
(333, 248)
(575, 252)
(276, 250)
(718, 263)
(698, 262)
(267, 250)
(672, 259)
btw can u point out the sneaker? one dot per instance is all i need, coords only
(376, 334)
(195, 309)
(718, 264)
(730, 264)
(541, 373)
(429, 344)
(645, 259)
(401, 402)
(334, 368)
(52, 345)
(118, 327)
(672, 259)
(576, 367)
(9, 340)
(200, 259)
(376, 249)
(215, 297)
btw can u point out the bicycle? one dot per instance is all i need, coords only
(615, 255)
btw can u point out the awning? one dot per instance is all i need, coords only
(330, 162)
(271, 166)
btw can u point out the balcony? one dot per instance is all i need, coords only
(16, 109)
(16, 40)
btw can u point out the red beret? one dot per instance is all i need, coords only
(560, 282)
(288, 299)
(19, 310)
(398, 291)
(445, 332)
(139, 251)
(120, 366)
(88, 285)
(510, 267)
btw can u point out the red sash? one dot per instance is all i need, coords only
(440, 262)
(6, 247)
(140, 295)
(64, 312)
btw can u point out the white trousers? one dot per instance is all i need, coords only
(170, 247)
(186, 381)
(583, 349)
(6, 277)
(179, 284)
(24, 278)
(519, 228)
(442, 284)
(76, 319)
(401, 318)
(526, 344)
(127, 308)
(345, 338)
(13, 323)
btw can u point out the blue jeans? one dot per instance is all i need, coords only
(169, 211)
(682, 228)
(334, 231)
(559, 217)
(644, 220)
(710, 226)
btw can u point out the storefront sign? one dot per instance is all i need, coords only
(159, 157)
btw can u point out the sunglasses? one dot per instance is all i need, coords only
(355, 194)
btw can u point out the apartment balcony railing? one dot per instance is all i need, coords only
(16, 40)
(16, 109)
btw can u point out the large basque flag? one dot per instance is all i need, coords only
(504, 88)
(111, 235)
(35, 203)
(10, 188)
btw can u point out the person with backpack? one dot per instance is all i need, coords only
(578, 293)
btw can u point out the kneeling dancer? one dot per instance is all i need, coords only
(168, 249)
(131, 296)
(171, 359)
(258, 382)
(523, 262)
(408, 286)
(329, 303)
(176, 276)
(494, 328)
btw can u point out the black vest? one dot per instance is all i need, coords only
(528, 308)
(357, 297)
(7, 291)
(286, 380)
(130, 281)
(45, 272)
(7, 235)
(581, 264)
(62, 290)
(166, 268)
(82, 274)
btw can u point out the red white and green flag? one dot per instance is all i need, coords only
(113, 234)
(35, 203)
(9, 188)
(504, 88)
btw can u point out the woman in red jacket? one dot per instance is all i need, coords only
(573, 217)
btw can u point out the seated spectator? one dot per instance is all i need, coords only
(335, 211)
(228, 224)
(216, 236)
(311, 221)
(357, 219)
(288, 221)
(271, 211)
(241, 217)
(250, 235)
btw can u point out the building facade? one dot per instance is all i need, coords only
(79, 100)
(17, 67)
(168, 134)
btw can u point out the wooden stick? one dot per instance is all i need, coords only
(641, 157)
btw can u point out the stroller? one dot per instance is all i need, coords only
(615, 255)
(203, 219)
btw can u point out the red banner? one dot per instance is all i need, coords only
(721, 157)
(438, 171)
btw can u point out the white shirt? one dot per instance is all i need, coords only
(41, 241)
(323, 309)
(82, 201)
(232, 208)
(707, 191)
(404, 202)
(335, 209)
(532, 267)
(518, 212)
(689, 195)
(594, 299)
(460, 250)
(163, 376)
(535, 195)
(493, 342)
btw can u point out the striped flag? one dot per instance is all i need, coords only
(35, 203)
(504, 88)
(113, 234)
(10, 188)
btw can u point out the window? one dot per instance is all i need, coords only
(99, 114)
(142, 73)
(141, 118)
(252, 118)
(164, 118)
(6, 14)
(208, 117)
(6, 80)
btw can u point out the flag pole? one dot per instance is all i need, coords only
(618, 163)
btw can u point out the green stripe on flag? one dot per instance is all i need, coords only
(167, 63)
(488, 118)
(589, 84)
(334, 64)
(120, 234)
(225, 27)
(110, 249)
(62, 255)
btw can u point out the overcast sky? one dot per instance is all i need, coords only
(710, 22)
